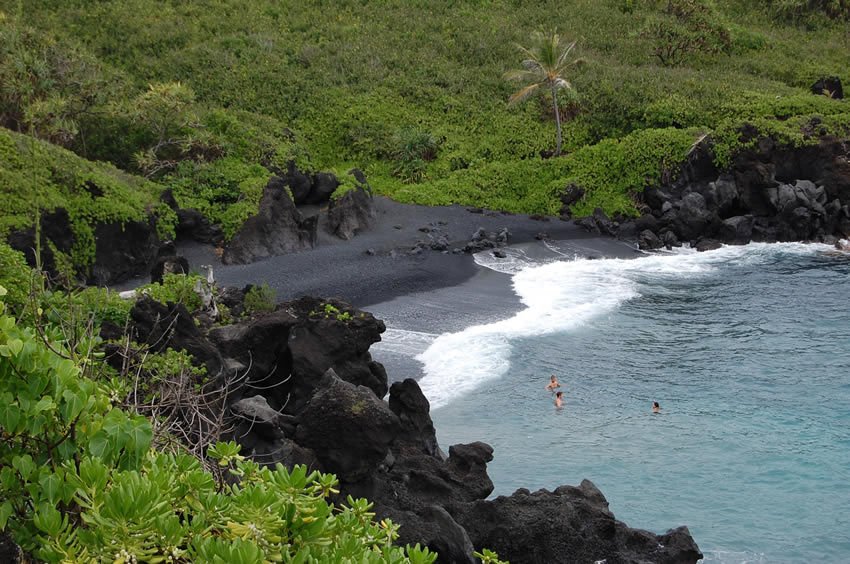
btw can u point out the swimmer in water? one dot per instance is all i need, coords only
(655, 407)
(553, 383)
(559, 402)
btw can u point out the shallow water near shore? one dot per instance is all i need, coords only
(747, 349)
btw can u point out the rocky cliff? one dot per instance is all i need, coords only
(769, 193)
(303, 389)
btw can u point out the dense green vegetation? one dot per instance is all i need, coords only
(106, 104)
(203, 96)
(86, 477)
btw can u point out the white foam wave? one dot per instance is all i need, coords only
(516, 259)
(560, 297)
(404, 342)
(732, 557)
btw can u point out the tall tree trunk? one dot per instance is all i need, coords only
(557, 120)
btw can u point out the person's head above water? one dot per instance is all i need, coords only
(655, 404)
(559, 394)
(552, 378)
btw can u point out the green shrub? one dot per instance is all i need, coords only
(259, 299)
(614, 171)
(46, 86)
(227, 191)
(412, 149)
(51, 419)
(178, 289)
(347, 183)
(809, 10)
(16, 276)
(686, 27)
(79, 482)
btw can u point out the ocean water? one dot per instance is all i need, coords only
(747, 349)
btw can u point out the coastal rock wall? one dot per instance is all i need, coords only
(121, 250)
(769, 193)
(305, 390)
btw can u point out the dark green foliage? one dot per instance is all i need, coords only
(810, 10)
(227, 190)
(274, 82)
(16, 277)
(260, 299)
(411, 149)
(79, 481)
(46, 86)
(178, 289)
(686, 27)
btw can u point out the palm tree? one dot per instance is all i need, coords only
(545, 66)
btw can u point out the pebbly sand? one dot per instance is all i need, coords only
(373, 267)
(417, 296)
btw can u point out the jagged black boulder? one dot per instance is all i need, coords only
(278, 228)
(351, 213)
(570, 524)
(348, 427)
(412, 409)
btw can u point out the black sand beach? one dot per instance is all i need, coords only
(420, 295)
(376, 266)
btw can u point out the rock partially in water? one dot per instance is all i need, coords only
(309, 393)
(570, 524)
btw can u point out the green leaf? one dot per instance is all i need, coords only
(51, 487)
(6, 511)
(10, 415)
(44, 404)
(48, 519)
(140, 435)
(99, 446)
(73, 405)
(15, 346)
(24, 465)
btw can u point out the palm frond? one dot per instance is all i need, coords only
(564, 55)
(520, 75)
(524, 93)
(561, 83)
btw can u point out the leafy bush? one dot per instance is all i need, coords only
(16, 276)
(805, 10)
(259, 299)
(227, 191)
(412, 148)
(686, 27)
(614, 171)
(178, 289)
(78, 481)
(46, 86)
(53, 419)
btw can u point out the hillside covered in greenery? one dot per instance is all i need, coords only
(107, 104)
(202, 97)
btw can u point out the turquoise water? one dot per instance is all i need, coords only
(747, 349)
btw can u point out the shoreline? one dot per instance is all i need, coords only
(375, 266)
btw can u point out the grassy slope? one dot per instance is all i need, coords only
(35, 175)
(350, 74)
